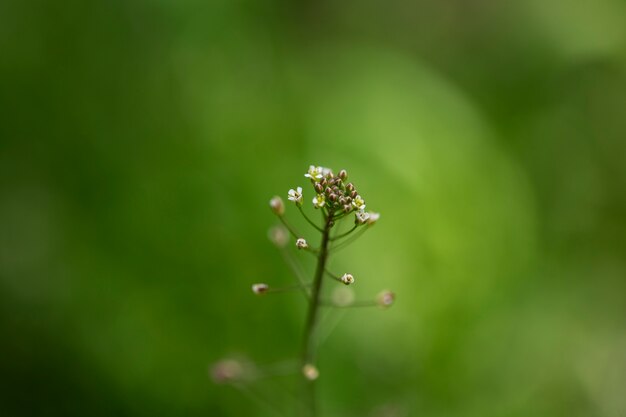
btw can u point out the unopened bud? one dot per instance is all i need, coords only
(350, 187)
(347, 279)
(260, 288)
(328, 190)
(353, 194)
(343, 174)
(310, 372)
(347, 208)
(332, 197)
(227, 370)
(385, 298)
(301, 244)
(319, 187)
(277, 205)
(279, 236)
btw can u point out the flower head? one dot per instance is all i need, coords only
(319, 201)
(358, 202)
(362, 217)
(347, 279)
(315, 173)
(295, 195)
(260, 288)
(301, 243)
(277, 205)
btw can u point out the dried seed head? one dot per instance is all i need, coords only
(343, 174)
(260, 288)
(279, 236)
(385, 298)
(277, 205)
(347, 279)
(310, 372)
(301, 244)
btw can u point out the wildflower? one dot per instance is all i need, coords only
(319, 201)
(260, 288)
(385, 298)
(310, 372)
(362, 217)
(301, 243)
(277, 205)
(358, 202)
(295, 195)
(315, 173)
(347, 279)
(373, 218)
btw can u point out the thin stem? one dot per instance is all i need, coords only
(349, 240)
(289, 227)
(333, 276)
(288, 288)
(297, 271)
(309, 220)
(308, 348)
(344, 234)
(366, 303)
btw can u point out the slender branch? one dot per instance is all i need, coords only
(349, 240)
(289, 227)
(333, 276)
(344, 234)
(297, 271)
(288, 288)
(309, 220)
(365, 303)
(308, 348)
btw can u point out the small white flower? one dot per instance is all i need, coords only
(315, 173)
(347, 279)
(326, 171)
(358, 202)
(260, 288)
(277, 205)
(295, 195)
(310, 372)
(386, 298)
(301, 244)
(319, 201)
(362, 217)
(373, 218)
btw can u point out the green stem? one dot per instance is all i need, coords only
(345, 234)
(308, 350)
(309, 220)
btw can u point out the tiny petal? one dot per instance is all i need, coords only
(358, 201)
(310, 372)
(295, 195)
(373, 218)
(301, 243)
(347, 279)
(319, 201)
(362, 217)
(260, 288)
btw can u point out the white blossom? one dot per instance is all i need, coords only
(295, 195)
(358, 203)
(315, 173)
(301, 243)
(347, 279)
(319, 201)
(362, 217)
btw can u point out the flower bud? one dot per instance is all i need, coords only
(301, 244)
(227, 370)
(310, 372)
(328, 190)
(361, 217)
(385, 298)
(332, 197)
(350, 187)
(347, 208)
(260, 288)
(347, 279)
(277, 205)
(353, 194)
(319, 188)
(279, 236)
(343, 174)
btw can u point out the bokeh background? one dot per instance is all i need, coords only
(140, 142)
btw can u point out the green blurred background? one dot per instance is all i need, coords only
(140, 142)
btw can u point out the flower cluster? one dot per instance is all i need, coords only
(334, 194)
